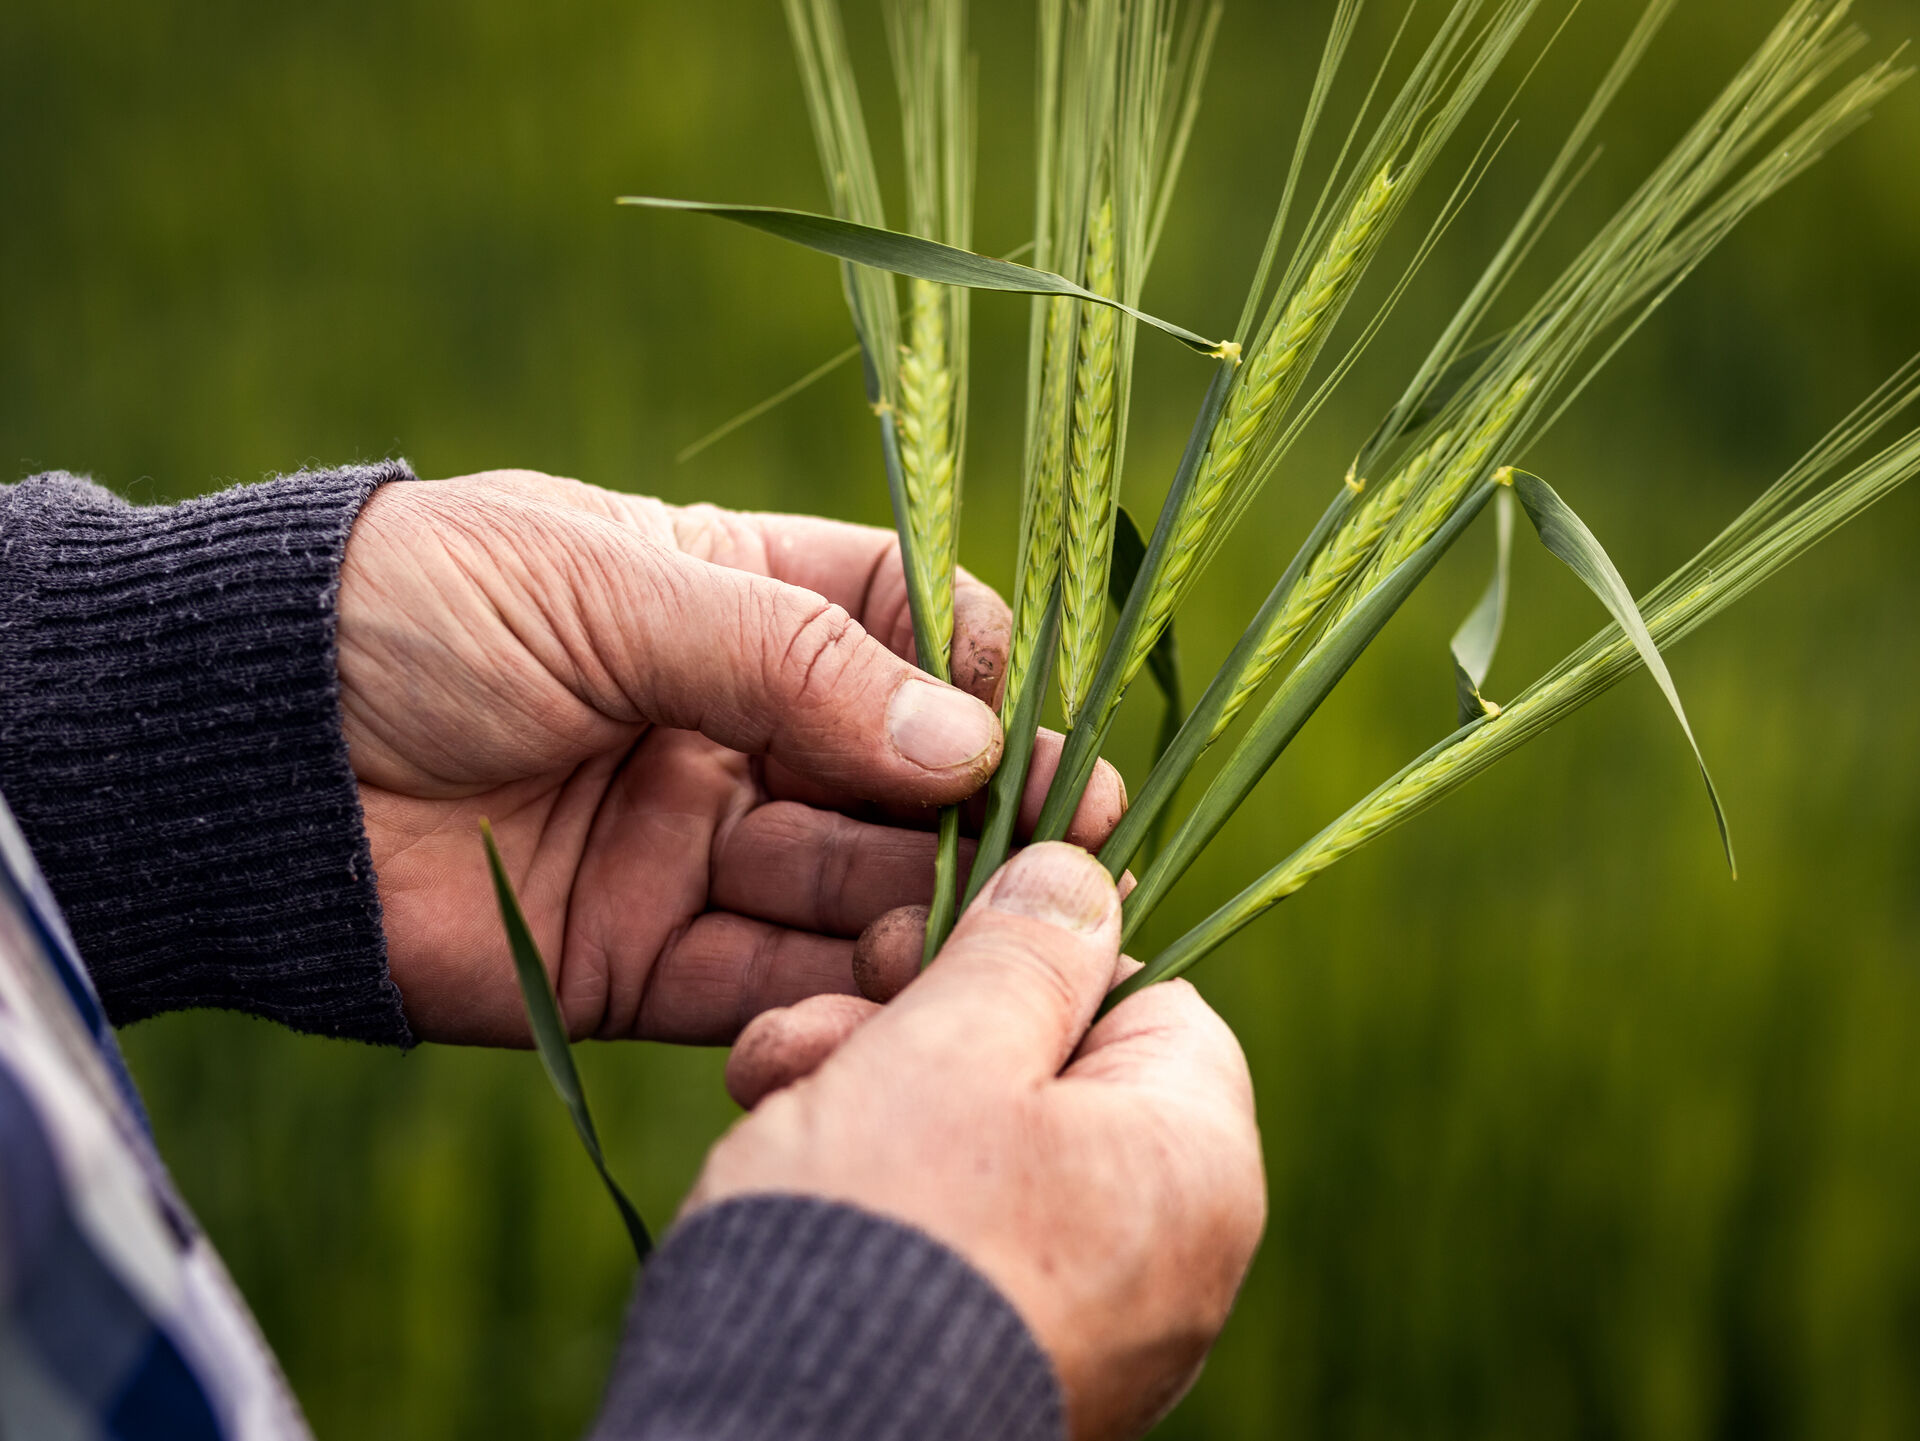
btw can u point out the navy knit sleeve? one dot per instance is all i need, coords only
(785, 1318)
(170, 741)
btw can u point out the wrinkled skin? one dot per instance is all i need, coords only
(695, 732)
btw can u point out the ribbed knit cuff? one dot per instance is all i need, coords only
(785, 1318)
(170, 740)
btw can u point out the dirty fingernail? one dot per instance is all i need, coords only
(1059, 884)
(938, 727)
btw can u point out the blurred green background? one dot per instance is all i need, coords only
(1568, 1135)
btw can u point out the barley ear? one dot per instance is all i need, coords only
(927, 458)
(1087, 543)
(1351, 545)
(1433, 501)
(1266, 386)
(1043, 515)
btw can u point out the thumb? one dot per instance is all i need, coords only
(772, 669)
(1011, 994)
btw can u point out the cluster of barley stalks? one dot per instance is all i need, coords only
(1118, 86)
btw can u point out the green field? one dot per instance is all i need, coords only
(1569, 1136)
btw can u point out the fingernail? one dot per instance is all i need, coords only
(1056, 883)
(938, 727)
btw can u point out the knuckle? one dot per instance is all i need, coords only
(813, 647)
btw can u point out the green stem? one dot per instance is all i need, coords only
(933, 659)
(1179, 756)
(1082, 749)
(1009, 786)
(1291, 707)
(946, 882)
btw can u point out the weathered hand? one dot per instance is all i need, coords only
(704, 773)
(1108, 1181)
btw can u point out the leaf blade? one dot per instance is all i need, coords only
(911, 255)
(1567, 537)
(550, 1038)
(1478, 637)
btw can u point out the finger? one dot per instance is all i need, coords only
(724, 970)
(780, 1047)
(820, 870)
(982, 636)
(1101, 806)
(762, 667)
(887, 954)
(1010, 995)
(857, 567)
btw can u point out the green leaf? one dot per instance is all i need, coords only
(913, 256)
(1567, 536)
(550, 1037)
(1479, 634)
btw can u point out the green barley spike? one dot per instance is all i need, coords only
(927, 456)
(1344, 553)
(1040, 557)
(1430, 508)
(1090, 491)
(1267, 383)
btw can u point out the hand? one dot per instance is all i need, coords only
(706, 776)
(1107, 1181)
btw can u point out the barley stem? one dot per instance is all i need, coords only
(1181, 752)
(1351, 545)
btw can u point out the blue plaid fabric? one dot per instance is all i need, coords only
(116, 1317)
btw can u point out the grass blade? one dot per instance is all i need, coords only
(550, 1038)
(912, 256)
(1567, 536)
(1479, 634)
